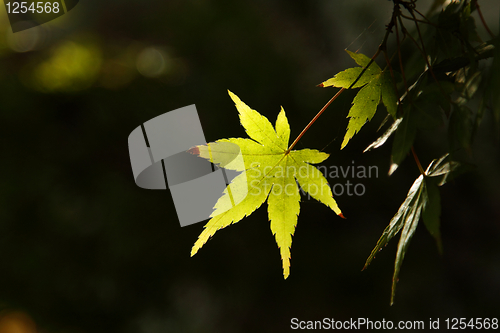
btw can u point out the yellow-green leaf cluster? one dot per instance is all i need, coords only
(376, 87)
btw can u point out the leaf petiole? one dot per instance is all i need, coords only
(314, 120)
(417, 161)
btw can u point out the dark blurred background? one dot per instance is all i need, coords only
(83, 249)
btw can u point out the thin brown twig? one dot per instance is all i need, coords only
(394, 85)
(482, 19)
(400, 58)
(417, 20)
(417, 161)
(423, 16)
(425, 56)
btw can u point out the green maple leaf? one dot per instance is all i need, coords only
(270, 170)
(376, 86)
(423, 200)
